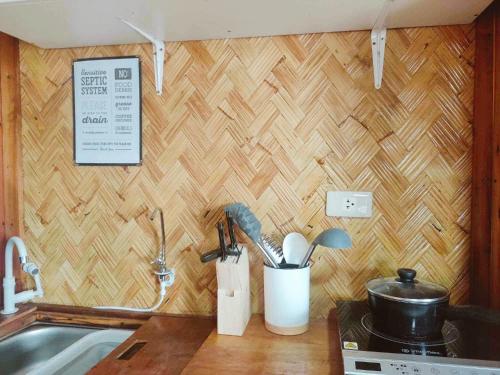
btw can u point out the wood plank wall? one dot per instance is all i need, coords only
(10, 149)
(276, 123)
(485, 235)
(495, 202)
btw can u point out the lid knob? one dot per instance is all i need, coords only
(406, 275)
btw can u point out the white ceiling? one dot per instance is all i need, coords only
(73, 23)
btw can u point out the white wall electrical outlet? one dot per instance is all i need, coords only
(349, 203)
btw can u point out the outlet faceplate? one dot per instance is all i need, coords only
(349, 203)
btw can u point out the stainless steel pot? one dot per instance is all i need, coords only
(408, 308)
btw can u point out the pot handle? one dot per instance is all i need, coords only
(472, 312)
(406, 275)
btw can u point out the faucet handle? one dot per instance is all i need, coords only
(160, 265)
(166, 275)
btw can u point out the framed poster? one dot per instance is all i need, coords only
(107, 111)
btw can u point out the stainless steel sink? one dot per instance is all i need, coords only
(36, 344)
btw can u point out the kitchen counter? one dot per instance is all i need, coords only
(165, 344)
(181, 346)
(260, 352)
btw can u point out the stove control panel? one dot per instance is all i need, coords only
(359, 366)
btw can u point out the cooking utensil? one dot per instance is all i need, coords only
(233, 245)
(408, 308)
(248, 223)
(230, 228)
(472, 312)
(222, 240)
(332, 238)
(223, 251)
(294, 248)
(210, 255)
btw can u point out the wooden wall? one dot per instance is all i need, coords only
(276, 123)
(10, 149)
(485, 234)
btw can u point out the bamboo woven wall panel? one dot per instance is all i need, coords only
(276, 123)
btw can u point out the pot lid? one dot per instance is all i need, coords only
(406, 288)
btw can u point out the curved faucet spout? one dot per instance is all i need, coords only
(10, 298)
(9, 249)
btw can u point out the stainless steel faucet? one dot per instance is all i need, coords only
(161, 265)
(166, 276)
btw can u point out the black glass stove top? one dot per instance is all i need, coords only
(466, 339)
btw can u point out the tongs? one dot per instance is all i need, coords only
(224, 250)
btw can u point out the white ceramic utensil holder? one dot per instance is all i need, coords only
(286, 300)
(233, 294)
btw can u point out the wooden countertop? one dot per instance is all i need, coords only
(168, 342)
(259, 351)
(189, 345)
(181, 346)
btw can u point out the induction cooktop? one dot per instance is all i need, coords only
(467, 347)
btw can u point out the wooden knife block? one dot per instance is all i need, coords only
(233, 294)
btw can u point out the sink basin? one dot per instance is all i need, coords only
(36, 344)
(52, 349)
(84, 354)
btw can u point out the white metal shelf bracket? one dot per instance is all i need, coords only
(378, 49)
(158, 55)
(378, 39)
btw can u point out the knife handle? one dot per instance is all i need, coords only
(222, 240)
(230, 226)
(211, 255)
